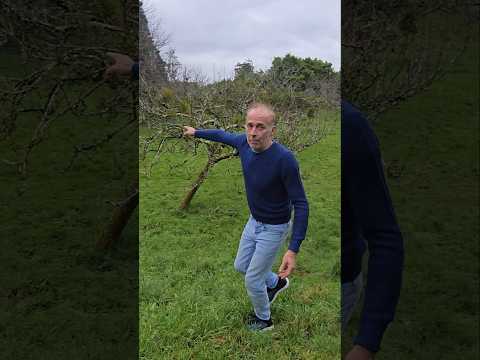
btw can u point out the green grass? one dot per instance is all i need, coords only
(193, 303)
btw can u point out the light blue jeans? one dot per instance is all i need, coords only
(256, 254)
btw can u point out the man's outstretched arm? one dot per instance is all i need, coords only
(213, 135)
(372, 205)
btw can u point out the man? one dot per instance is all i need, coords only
(367, 214)
(273, 186)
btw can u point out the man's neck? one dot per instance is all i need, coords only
(264, 149)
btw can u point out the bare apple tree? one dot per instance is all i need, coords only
(190, 100)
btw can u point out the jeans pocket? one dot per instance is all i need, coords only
(277, 228)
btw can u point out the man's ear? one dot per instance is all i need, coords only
(274, 130)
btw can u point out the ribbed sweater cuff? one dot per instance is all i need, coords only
(370, 334)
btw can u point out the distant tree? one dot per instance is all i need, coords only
(173, 67)
(244, 69)
(314, 76)
(298, 73)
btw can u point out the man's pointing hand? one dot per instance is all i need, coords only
(188, 131)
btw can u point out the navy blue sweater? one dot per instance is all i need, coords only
(272, 183)
(368, 219)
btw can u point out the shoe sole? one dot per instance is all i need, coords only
(279, 291)
(267, 328)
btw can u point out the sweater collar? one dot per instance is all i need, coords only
(264, 151)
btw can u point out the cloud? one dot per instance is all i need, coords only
(215, 34)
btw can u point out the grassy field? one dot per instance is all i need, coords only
(193, 303)
(433, 139)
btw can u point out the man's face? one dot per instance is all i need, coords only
(260, 129)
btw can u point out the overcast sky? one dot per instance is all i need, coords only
(214, 35)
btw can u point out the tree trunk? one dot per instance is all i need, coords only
(121, 214)
(201, 178)
(196, 185)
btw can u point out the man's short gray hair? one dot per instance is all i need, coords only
(265, 107)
